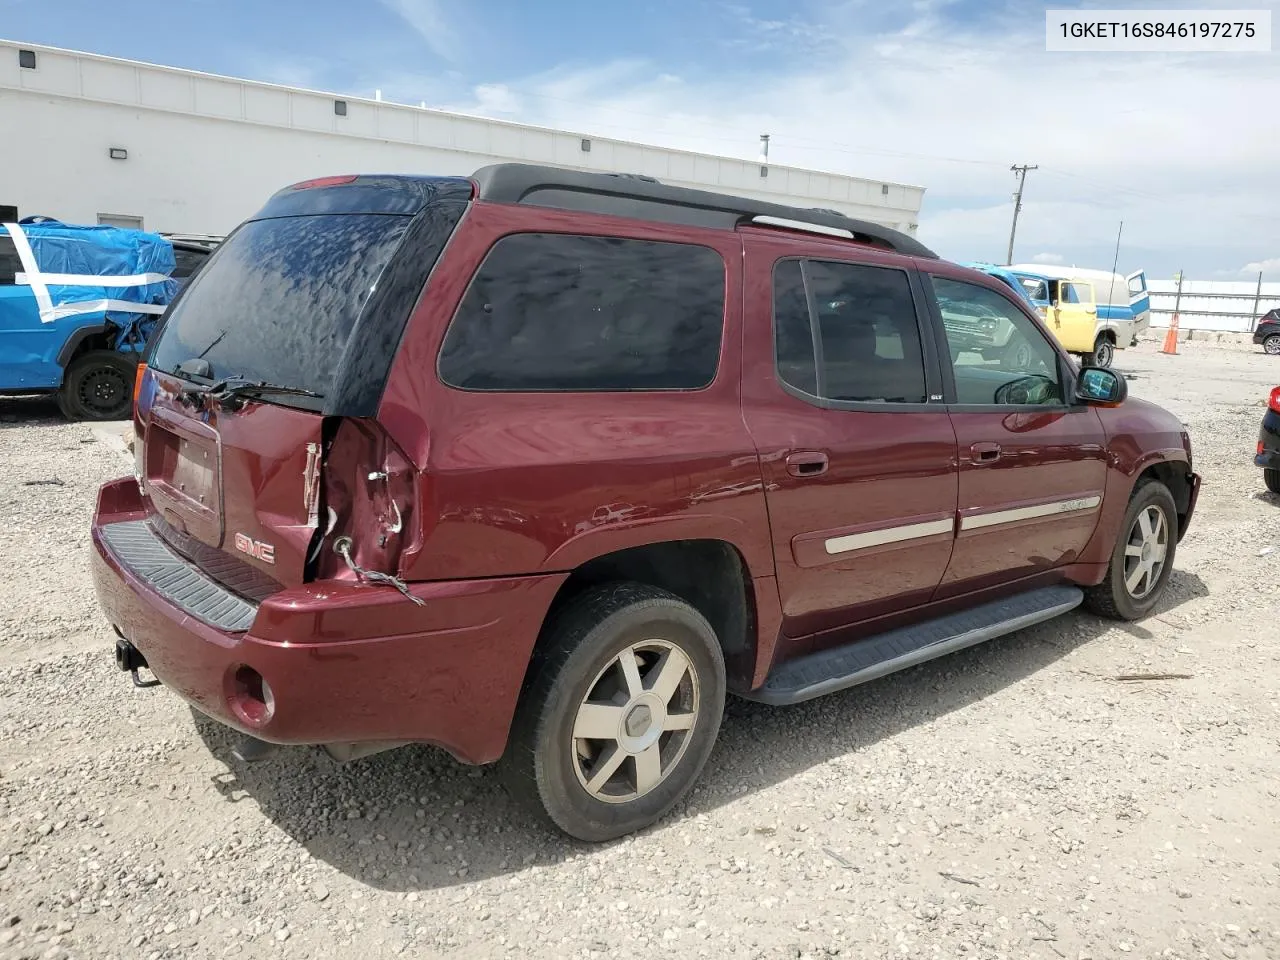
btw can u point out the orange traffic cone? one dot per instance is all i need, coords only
(1171, 338)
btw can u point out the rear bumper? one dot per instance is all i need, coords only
(345, 663)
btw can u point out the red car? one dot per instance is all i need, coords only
(538, 466)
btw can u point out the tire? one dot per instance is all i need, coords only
(1271, 477)
(98, 385)
(1017, 355)
(1113, 598)
(1104, 352)
(1271, 345)
(550, 770)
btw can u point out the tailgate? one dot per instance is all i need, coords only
(242, 482)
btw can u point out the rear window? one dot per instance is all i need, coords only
(187, 262)
(9, 262)
(554, 312)
(277, 301)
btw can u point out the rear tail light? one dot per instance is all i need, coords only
(368, 495)
(1274, 400)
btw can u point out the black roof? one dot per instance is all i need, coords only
(644, 198)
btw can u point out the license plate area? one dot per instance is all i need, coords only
(183, 475)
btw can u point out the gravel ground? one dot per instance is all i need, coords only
(1009, 801)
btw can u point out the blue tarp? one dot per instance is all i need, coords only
(86, 252)
(39, 315)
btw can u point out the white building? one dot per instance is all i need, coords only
(95, 139)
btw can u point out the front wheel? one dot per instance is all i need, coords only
(1271, 345)
(1142, 559)
(98, 385)
(621, 713)
(1018, 355)
(1104, 352)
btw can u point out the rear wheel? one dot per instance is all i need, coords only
(1271, 478)
(98, 385)
(1271, 345)
(621, 714)
(1142, 559)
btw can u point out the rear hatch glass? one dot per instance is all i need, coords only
(278, 300)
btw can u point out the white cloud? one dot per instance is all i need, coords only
(1174, 146)
(1050, 258)
(1268, 268)
(496, 99)
(428, 20)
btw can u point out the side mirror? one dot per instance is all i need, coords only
(1102, 386)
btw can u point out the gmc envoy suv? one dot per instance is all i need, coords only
(538, 466)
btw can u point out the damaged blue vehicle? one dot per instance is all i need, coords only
(77, 304)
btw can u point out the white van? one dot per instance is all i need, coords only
(1124, 305)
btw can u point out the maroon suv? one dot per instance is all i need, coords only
(539, 465)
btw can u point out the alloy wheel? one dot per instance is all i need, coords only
(1145, 552)
(633, 726)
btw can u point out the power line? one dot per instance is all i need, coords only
(741, 135)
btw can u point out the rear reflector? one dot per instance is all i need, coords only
(324, 182)
(138, 376)
(1274, 400)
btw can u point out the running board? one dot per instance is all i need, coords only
(842, 667)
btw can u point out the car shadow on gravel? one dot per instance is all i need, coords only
(415, 819)
(28, 411)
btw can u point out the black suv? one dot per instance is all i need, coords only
(1267, 332)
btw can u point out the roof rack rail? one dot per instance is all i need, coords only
(805, 226)
(644, 198)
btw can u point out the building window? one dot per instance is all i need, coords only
(119, 220)
(27, 59)
(884, 189)
(340, 107)
(586, 145)
(764, 171)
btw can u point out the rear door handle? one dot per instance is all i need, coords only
(809, 463)
(985, 452)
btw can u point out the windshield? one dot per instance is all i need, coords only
(278, 300)
(1036, 289)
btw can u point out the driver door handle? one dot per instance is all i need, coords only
(985, 452)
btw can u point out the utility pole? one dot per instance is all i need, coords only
(1021, 171)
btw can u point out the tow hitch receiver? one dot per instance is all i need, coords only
(130, 659)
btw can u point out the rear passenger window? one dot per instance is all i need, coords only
(847, 332)
(553, 312)
(9, 262)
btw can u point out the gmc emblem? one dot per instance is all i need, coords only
(256, 548)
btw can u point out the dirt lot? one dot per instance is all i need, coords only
(1010, 801)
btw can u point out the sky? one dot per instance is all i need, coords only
(946, 94)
